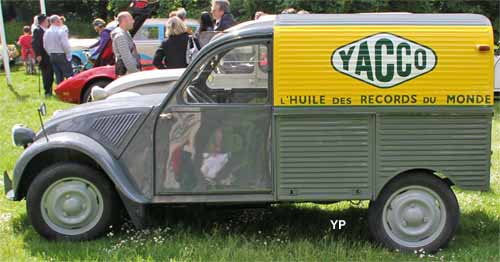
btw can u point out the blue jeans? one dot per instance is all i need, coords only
(62, 67)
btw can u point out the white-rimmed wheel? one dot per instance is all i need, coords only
(71, 201)
(416, 211)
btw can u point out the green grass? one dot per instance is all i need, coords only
(281, 233)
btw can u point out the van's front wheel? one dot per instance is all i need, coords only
(414, 212)
(71, 201)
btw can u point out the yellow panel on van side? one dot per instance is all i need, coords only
(364, 65)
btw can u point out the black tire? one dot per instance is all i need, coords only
(380, 233)
(76, 65)
(87, 97)
(50, 176)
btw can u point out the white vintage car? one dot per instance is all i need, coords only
(231, 73)
(497, 76)
(140, 83)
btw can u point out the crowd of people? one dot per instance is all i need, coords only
(46, 42)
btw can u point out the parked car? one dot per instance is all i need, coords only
(236, 76)
(13, 54)
(497, 76)
(80, 53)
(308, 117)
(77, 88)
(140, 83)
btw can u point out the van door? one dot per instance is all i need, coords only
(214, 136)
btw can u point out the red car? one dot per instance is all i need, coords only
(77, 88)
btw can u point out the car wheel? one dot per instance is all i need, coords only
(87, 95)
(414, 212)
(71, 201)
(76, 64)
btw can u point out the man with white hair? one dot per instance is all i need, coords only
(126, 55)
(56, 43)
(181, 13)
(222, 14)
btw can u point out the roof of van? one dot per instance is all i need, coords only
(382, 19)
(263, 27)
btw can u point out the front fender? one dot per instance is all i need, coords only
(87, 146)
(80, 55)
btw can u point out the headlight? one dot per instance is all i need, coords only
(22, 136)
(57, 112)
(98, 93)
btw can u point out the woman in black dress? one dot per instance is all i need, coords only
(172, 51)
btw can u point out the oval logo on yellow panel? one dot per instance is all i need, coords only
(384, 60)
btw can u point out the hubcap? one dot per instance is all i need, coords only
(72, 206)
(414, 216)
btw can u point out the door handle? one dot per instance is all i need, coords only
(166, 116)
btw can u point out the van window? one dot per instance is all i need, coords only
(235, 76)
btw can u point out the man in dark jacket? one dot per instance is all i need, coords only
(41, 55)
(221, 12)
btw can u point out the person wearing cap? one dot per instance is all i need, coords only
(104, 38)
(42, 57)
(56, 43)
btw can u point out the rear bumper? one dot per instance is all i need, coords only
(7, 184)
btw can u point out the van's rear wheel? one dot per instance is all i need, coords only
(71, 201)
(414, 212)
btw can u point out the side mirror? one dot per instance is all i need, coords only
(42, 109)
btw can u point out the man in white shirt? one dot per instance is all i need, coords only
(56, 43)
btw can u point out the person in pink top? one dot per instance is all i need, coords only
(24, 41)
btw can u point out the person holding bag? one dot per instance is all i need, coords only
(178, 49)
(126, 55)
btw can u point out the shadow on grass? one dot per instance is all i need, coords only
(207, 224)
(16, 94)
(288, 221)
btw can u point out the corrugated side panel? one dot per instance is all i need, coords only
(323, 157)
(456, 145)
(115, 127)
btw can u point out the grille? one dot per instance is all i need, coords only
(114, 127)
